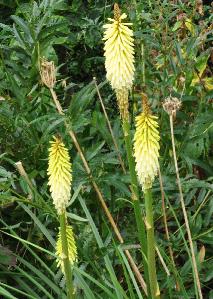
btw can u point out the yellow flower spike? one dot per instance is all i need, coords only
(72, 249)
(119, 51)
(146, 147)
(59, 172)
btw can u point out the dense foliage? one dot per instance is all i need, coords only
(173, 57)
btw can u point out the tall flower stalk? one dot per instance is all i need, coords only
(119, 63)
(119, 54)
(48, 77)
(60, 178)
(171, 106)
(146, 152)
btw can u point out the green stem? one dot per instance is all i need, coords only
(67, 267)
(151, 246)
(136, 202)
(131, 162)
(143, 67)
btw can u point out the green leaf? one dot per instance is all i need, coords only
(6, 293)
(92, 279)
(85, 287)
(201, 63)
(20, 39)
(76, 217)
(43, 229)
(177, 25)
(23, 25)
(179, 53)
(117, 287)
(6, 257)
(95, 150)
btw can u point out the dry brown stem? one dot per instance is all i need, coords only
(194, 263)
(165, 223)
(23, 173)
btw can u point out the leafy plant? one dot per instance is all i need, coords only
(172, 58)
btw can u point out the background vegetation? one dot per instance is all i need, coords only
(173, 57)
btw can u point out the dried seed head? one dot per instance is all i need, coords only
(182, 79)
(181, 16)
(199, 7)
(171, 105)
(47, 73)
(123, 103)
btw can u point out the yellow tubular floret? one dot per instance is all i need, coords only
(146, 149)
(119, 53)
(59, 172)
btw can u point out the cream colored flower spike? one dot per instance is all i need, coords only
(146, 149)
(59, 172)
(119, 52)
